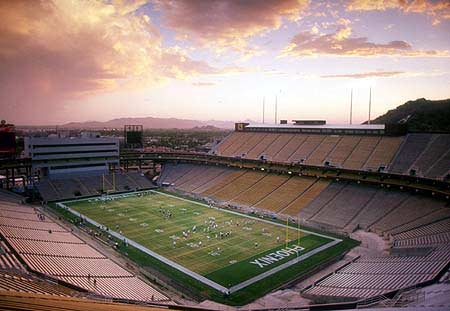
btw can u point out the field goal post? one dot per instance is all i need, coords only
(113, 189)
(287, 231)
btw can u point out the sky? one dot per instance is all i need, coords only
(67, 60)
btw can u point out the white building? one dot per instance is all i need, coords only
(53, 156)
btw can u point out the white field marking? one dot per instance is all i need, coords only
(193, 274)
(248, 216)
(151, 253)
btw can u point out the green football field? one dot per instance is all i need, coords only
(225, 247)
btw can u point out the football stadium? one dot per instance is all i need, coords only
(315, 209)
(224, 155)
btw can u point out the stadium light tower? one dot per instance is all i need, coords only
(276, 108)
(351, 104)
(370, 103)
(263, 109)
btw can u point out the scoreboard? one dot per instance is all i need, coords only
(134, 136)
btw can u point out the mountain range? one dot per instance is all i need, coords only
(151, 123)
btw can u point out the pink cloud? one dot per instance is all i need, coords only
(437, 9)
(204, 83)
(341, 43)
(53, 52)
(363, 75)
(220, 24)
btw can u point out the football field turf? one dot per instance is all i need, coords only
(225, 247)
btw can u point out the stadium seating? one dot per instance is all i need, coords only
(235, 148)
(287, 153)
(345, 206)
(219, 183)
(31, 301)
(439, 213)
(177, 171)
(437, 148)
(411, 149)
(240, 184)
(50, 249)
(413, 208)
(285, 194)
(231, 143)
(8, 260)
(327, 193)
(260, 190)
(281, 141)
(306, 198)
(196, 170)
(371, 276)
(13, 282)
(428, 154)
(319, 155)
(343, 150)
(249, 145)
(203, 179)
(361, 152)
(228, 141)
(382, 203)
(431, 234)
(383, 153)
(80, 186)
(261, 147)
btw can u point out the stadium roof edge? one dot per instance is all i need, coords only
(324, 126)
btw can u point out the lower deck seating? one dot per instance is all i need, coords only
(285, 194)
(75, 187)
(240, 184)
(308, 196)
(50, 249)
(8, 261)
(260, 190)
(19, 301)
(371, 276)
(429, 235)
(383, 202)
(413, 208)
(204, 179)
(328, 193)
(345, 206)
(13, 282)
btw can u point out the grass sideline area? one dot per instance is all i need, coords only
(156, 220)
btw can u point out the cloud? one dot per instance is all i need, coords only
(437, 9)
(363, 75)
(52, 52)
(204, 83)
(340, 43)
(384, 74)
(222, 25)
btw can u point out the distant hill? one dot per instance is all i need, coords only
(152, 123)
(421, 115)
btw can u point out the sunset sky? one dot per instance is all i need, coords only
(64, 61)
